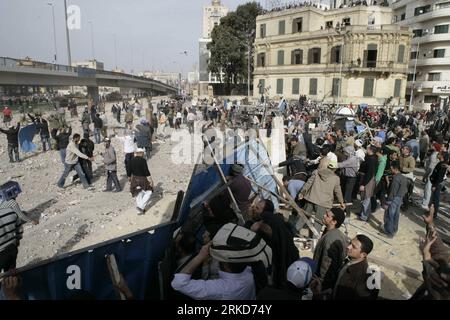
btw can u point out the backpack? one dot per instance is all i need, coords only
(236, 244)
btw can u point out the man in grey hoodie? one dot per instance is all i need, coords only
(110, 161)
(430, 164)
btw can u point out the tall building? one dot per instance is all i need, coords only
(211, 17)
(338, 56)
(430, 55)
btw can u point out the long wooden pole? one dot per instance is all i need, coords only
(224, 180)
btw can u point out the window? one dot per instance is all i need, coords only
(297, 56)
(417, 33)
(395, 19)
(411, 77)
(439, 53)
(280, 57)
(279, 86)
(336, 54)
(295, 86)
(370, 56)
(314, 56)
(413, 55)
(335, 87)
(403, 17)
(443, 5)
(441, 29)
(329, 24)
(261, 62)
(397, 87)
(262, 30)
(368, 87)
(281, 27)
(421, 10)
(297, 25)
(430, 99)
(346, 22)
(261, 86)
(434, 76)
(401, 54)
(371, 20)
(313, 86)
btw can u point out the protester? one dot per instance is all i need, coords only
(140, 180)
(110, 161)
(352, 281)
(71, 162)
(62, 141)
(12, 135)
(329, 253)
(7, 116)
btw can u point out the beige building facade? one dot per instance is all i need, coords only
(307, 51)
(429, 68)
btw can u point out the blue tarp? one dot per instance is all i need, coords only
(26, 135)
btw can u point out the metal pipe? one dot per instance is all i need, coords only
(414, 78)
(69, 57)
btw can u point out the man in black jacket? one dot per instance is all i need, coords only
(62, 141)
(276, 232)
(367, 187)
(437, 178)
(98, 125)
(12, 135)
(355, 281)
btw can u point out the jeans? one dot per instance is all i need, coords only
(62, 154)
(367, 210)
(392, 215)
(80, 173)
(318, 212)
(45, 143)
(112, 178)
(349, 186)
(13, 152)
(97, 135)
(436, 198)
(426, 194)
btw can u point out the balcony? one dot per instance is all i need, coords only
(440, 37)
(433, 61)
(428, 84)
(434, 13)
(376, 66)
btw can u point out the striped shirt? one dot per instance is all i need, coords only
(11, 220)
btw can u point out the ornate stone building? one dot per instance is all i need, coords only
(348, 55)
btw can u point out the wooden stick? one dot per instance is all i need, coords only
(282, 199)
(114, 273)
(224, 180)
(290, 199)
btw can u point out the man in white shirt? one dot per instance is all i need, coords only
(235, 280)
(128, 149)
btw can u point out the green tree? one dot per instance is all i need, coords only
(231, 42)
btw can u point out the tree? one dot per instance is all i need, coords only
(231, 42)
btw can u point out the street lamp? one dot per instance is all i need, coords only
(115, 50)
(92, 39)
(54, 31)
(414, 73)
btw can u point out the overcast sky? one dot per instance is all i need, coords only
(150, 33)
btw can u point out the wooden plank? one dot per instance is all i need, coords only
(114, 273)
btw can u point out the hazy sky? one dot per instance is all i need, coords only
(150, 33)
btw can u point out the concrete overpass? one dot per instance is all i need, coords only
(33, 73)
